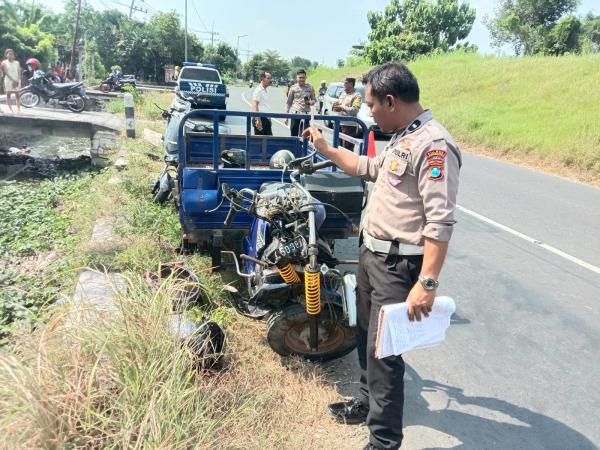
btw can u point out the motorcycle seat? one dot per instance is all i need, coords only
(67, 85)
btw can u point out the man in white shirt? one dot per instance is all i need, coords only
(260, 103)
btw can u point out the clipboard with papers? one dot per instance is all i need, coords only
(396, 334)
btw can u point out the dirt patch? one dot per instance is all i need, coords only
(292, 413)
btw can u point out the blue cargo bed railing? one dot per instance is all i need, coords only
(204, 148)
(200, 174)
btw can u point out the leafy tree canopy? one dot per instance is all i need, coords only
(540, 26)
(408, 28)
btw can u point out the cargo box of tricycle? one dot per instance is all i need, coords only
(204, 165)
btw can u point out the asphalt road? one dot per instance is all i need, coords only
(520, 367)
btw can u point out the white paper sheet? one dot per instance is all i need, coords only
(396, 334)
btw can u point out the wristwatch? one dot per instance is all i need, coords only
(429, 284)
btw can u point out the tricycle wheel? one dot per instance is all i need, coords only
(288, 333)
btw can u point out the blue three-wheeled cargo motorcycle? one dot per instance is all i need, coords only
(272, 208)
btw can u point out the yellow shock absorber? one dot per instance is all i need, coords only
(288, 274)
(312, 291)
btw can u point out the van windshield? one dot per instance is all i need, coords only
(199, 74)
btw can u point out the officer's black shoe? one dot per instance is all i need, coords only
(350, 412)
(371, 447)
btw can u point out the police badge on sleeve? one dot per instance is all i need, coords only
(436, 162)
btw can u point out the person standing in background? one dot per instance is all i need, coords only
(260, 103)
(348, 105)
(300, 98)
(12, 78)
(321, 97)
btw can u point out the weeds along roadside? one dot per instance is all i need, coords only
(124, 381)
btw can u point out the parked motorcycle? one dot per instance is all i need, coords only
(117, 83)
(71, 95)
(291, 277)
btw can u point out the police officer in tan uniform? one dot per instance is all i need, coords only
(348, 104)
(406, 229)
(301, 97)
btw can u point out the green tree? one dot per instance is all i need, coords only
(563, 37)
(590, 41)
(297, 63)
(223, 56)
(406, 29)
(165, 41)
(529, 26)
(21, 28)
(269, 60)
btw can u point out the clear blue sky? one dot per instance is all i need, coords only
(321, 30)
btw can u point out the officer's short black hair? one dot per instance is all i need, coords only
(301, 72)
(351, 80)
(393, 79)
(263, 75)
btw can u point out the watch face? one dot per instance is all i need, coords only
(429, 283)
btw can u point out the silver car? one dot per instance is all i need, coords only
(365, 115)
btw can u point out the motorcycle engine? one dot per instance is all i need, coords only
(278, 199)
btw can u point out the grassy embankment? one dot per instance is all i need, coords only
(541, 111)
(124, 381)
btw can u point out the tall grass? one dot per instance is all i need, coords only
(543, 107)
(118, 379)
(123, 380)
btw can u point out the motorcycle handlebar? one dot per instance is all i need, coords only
(323, 165)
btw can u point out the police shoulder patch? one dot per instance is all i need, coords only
(436, 162)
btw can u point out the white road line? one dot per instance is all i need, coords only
(537, 242)
(274, 120)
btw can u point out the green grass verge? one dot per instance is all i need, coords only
(123, 380)
(545, 107)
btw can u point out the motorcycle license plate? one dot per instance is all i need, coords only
(292, 247)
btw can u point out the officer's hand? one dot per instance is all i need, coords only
(285, 121)
(316, 137)
(419, 302)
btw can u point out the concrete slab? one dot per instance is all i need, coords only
(96, 290)
(152, 137)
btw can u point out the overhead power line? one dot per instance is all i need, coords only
(199, 17)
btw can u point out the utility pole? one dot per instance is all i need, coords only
(186, 31)
(237, 52)
(75, 37)
(134, 8)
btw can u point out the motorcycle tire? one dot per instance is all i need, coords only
(34, 99)
(105, 87)
(163, 188)
(288, 333)
(75, 102)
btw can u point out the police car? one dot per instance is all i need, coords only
(202, 86)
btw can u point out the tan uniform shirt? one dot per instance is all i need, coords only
(295, 100)
(416, 182)
(350, 103)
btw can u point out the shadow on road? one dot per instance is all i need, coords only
(475, 422)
